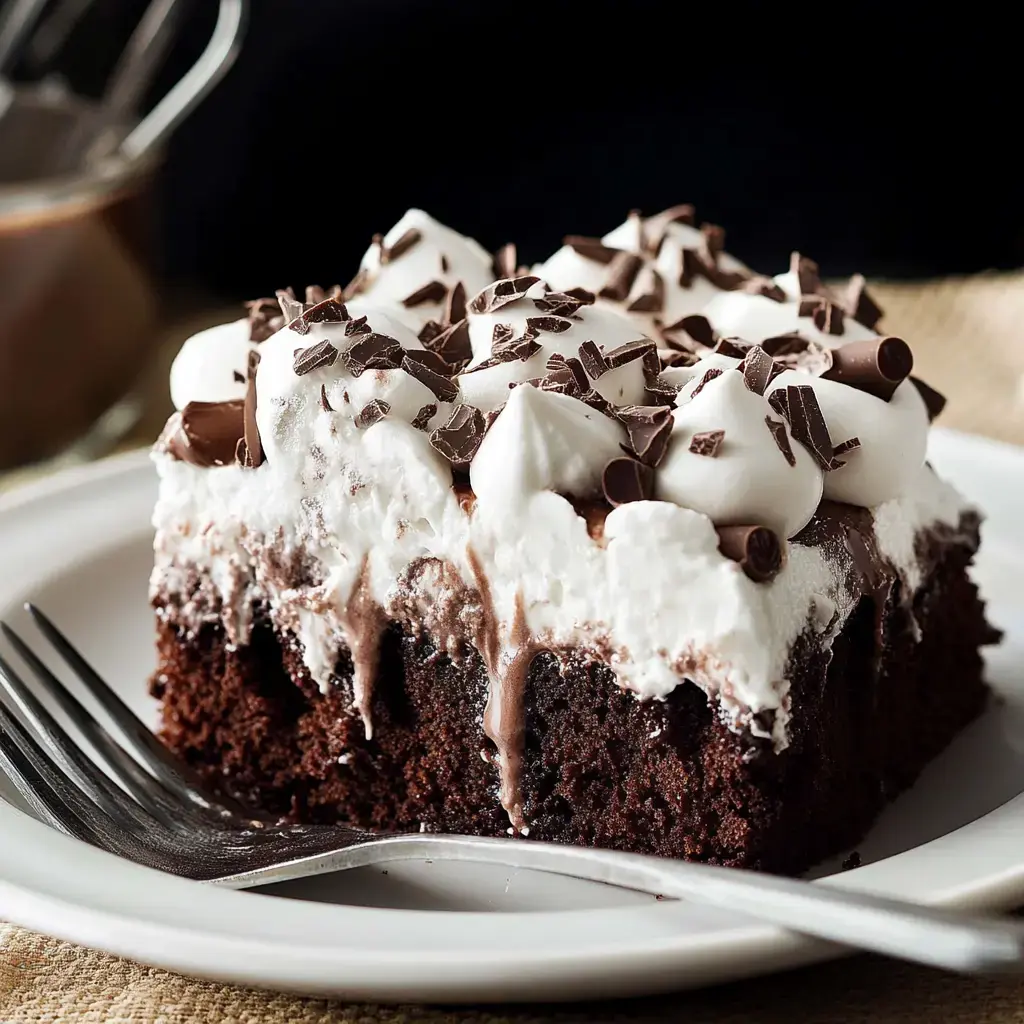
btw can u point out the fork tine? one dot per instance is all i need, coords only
(173, 773)
(75, 764)
(40, 783)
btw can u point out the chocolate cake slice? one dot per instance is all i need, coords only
(442, 552)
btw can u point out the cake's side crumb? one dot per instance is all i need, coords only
(601, 767)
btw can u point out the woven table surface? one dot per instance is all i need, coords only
(968, 341)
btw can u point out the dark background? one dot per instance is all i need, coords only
(873, 138)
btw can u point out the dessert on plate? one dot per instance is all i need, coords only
(636, 548)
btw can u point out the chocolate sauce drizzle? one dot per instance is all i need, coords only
(508, 667)
(364, 622)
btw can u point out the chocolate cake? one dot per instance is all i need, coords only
(637, 549)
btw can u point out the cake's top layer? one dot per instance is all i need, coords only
(516, 466)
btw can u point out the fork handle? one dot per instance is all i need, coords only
(928, 935)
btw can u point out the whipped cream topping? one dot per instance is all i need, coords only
(676, 271)
(408, 272)
(344, 512)
(211, 366)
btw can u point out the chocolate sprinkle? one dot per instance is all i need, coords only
(208, 433)
(452, 344)
(625, 480)
(455, 304)
(432, 291)
(323, 353)
(859, 304)
(324, 403)
(443, 388)
(505, 261)
(593, 361)
(707, 442)
(547, 324)
(591, 248)
(424, 416)
(373, 352)
(459, 439)
(808, 425)
(708, 377)
(372, 412)
(875, 365)
(402, 246)
(934, 401)
(778, 429)
(649, 427)
(756, 549)
(502, 293)
(622, 272)
(652, 298)
(759, 370)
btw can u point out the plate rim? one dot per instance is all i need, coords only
(629, 969)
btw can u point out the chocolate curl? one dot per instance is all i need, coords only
(756, 549)
(208, 434)
(875, 365)
(625, 480)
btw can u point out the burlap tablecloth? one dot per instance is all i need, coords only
(968, 338)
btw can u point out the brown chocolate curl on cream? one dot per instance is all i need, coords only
(756, 549)
(208, 433)
(875, 365)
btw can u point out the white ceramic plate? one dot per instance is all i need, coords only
(79, 546)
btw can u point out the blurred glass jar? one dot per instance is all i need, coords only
(78, 302)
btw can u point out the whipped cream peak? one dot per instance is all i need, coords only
(411, 270)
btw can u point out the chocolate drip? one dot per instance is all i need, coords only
(364, 623)
(508, 668)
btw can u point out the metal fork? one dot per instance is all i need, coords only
(151, 808)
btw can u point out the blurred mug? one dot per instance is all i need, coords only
(78, 303)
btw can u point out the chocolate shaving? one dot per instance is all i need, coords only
(642, 348)
(756, 549)
(778, 429)
(625, 480)
(732, 347)
(357, 326)
(807, 274)
(452, 344)
(505, 261)
(424, 416)
(652, 295)
(566, 303)
(252, 450)
(875, 365)
(432, 291)
(445, 265)
(859, 304)
(591, 248)
(323, 353)
(373, 352)
(356, 286)
(622, 272)
(593, 361)
(827, 316)
(808, 425)
(501, 293)
(796, 352)
(401, 246)
(324, 403)
(431, 360)
(326, 311)
(208, 433)
(660, 391)
(559, 363)
(709, 375)
(779, 401)
(316, 294)
(547, 324)
(372, 412)
(696, 327)
(649, 428)
(238, 378)
(501, 335)
(759, 370)
(459, 439)
(429, 331)
(707, 442)
(844, 448)
(265, 318)
(444, 389)
(291, 308)
(934, 402)
(656, 228)
(763, 286)
(455, 304)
